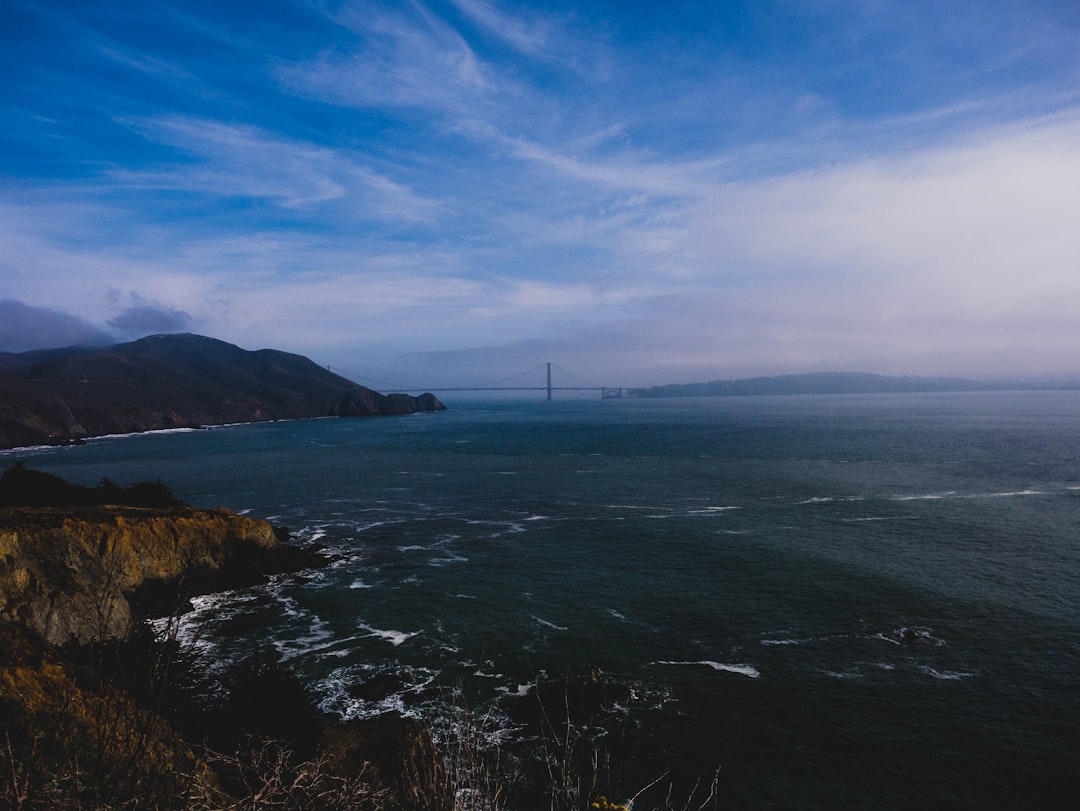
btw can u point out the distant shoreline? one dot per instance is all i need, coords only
(842, 383)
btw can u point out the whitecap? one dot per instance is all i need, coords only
(360, 584)
(879, 518)
(518, 690)
(907, 636)
(742, 669)
(547, 624)
(944, 675)
(395, 638)
(926, 496)
(805, 641)
(845, 675)
(449, 557)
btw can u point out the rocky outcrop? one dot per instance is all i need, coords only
(172, 381)
(82, 574)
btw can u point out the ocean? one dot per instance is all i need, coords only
(825, 602)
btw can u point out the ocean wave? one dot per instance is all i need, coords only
(395, 638)
(844, 675)
(905, 635)
(400, 691)
(798, 641)
(926, 496)
(517, 690)
(829, 499)
(447, 558)
(880, 518)
(943, 675)
(742, 669)
(547, 624)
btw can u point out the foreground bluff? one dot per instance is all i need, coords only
(172, 381)
(82, 574)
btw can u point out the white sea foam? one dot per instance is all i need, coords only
(360, 584)
(803, 641)
(395, 638)
(926, 496)
(334, 689)
(448, 557)
(321, 641)
(617, 615)
(517, 690)
(944, 675)
(844, 675)
(711, 510)
(742, 669)
(547, 624)
(906, 636)
(879, 518)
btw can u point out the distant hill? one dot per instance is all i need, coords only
(828, 383)
(172, 381)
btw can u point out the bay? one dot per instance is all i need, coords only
(828, 602)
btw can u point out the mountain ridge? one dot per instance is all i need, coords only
(180, 380)
(836, 383)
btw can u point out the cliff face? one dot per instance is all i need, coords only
(73, 575)
(172, 381)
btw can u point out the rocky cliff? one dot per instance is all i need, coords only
(76, 574)
(172, 381)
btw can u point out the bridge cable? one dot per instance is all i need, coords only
(581, 379)
(416, 388)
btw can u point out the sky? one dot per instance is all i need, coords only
(450, 192)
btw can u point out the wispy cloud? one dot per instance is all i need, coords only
(661, 191)
(529, 38)
(243, 161)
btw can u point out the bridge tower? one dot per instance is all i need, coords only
(549, 380)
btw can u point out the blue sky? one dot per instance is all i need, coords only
(453, 190)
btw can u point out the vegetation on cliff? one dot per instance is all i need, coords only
(21, 486)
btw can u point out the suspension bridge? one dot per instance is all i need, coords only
(577, 383)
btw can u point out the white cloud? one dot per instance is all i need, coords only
(243, 161)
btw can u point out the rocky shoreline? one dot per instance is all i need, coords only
(98, 712)
(79, 666)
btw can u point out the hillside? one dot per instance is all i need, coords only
(172, 381)
(821, 383)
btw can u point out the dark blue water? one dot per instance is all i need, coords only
(840, 602)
